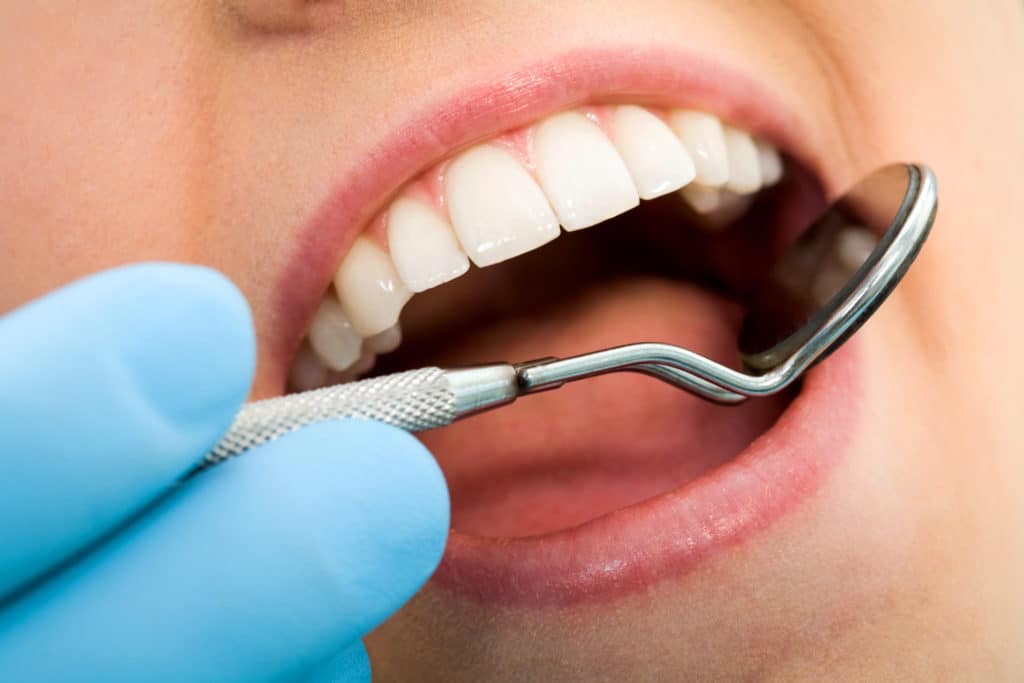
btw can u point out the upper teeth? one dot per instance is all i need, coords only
(510, 195)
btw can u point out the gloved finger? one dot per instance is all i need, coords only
(350, 665)
(112, 387)
(260, 569)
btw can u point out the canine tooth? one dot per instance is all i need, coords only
(332, 337)
(370, 291)
(770, 162)
(655, 157)
(497, 209)
(582, 175)
(744, 164)
(385, 342)
(307, 370)
(423, 246)
(704, 139)
(854, 245)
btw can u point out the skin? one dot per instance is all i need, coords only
(208, 132)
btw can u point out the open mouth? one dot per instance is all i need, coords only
(601, 224)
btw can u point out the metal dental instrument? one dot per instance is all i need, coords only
(790, 325)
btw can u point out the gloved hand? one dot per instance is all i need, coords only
(270, 566)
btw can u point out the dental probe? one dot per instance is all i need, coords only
(793, 321)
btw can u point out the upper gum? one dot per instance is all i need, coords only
(428, 186)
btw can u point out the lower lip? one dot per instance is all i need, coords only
(670, 535)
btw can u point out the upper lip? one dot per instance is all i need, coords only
(654, 75)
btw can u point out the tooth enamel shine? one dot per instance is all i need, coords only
(580, 171)
(497, 209)
(371, 293)
(704, 139)
(656, 159)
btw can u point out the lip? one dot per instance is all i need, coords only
(668, 536)
(520, 96)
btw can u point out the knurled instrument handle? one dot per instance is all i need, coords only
(414, 401)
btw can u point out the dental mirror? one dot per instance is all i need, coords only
(874, 231)
(825, 286)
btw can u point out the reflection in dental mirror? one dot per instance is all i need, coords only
(828, 263)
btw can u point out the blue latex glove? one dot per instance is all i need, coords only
(270, 566)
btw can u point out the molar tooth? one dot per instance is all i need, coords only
(307, 371)
(744, 164)
(655, 157)
(423, 246)
(332, 337)
(497, 209)
(386, 341)
(370, 291)
(582, 175)
(770, 162)
(704, 139)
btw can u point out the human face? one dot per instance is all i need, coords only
(871, 530)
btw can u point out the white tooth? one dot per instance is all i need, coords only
(332, 337)
(361, 366)
(423, 246)
(704, 139)
(385, 342)
(581, 173)
(854, 245)
(701, 198)
(730, 207)
(307, 371)
(744, 164)
(770, 163)
(655, 157)
(497, 209)
(370, 291)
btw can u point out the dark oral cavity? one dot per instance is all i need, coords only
(560, 459)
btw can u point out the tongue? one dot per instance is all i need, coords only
(558, 459)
